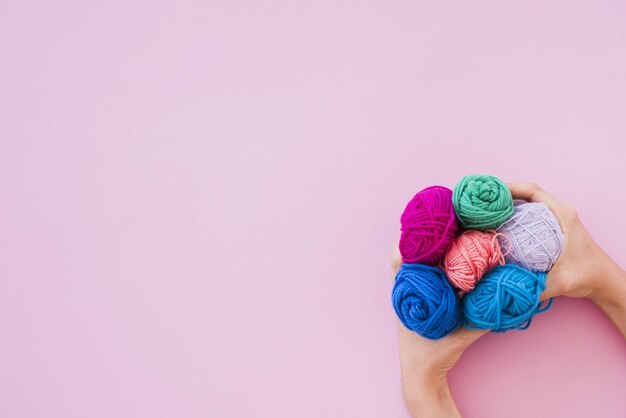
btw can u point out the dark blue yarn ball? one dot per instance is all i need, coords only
(425, 302)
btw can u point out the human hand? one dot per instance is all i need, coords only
(425, 364)
(584, 268)
(580, 269)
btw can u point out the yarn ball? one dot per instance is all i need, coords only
(482, 202)
(425, 302)
(532, 237)
(428, 226)
(506, 298)
(471, 255)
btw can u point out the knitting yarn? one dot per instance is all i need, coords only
(471, 255)
(428, 226)
(532, 237)
(506, 298)
(425, 302)
(482, 202)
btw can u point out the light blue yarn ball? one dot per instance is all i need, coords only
(506, 298)
(425, 302)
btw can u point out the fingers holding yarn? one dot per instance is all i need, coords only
(531, 192)
(497, 296)
(395, 259)
(425, 302)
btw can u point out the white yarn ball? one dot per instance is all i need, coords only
(532, 237)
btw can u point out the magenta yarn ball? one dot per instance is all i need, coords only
(428, 226)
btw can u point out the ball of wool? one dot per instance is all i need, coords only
(428, 226)
(471, 255)
(425, 302)
(482, 202)
(506, 298)
(532, 237)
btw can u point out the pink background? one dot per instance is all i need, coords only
(198, 199)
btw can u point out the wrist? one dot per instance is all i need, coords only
(609, 291)
(424, 383)
(430, 398)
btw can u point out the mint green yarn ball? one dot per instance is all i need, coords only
(482, 202)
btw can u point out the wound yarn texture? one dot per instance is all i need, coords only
(482, 202)
(532, 237)
(425, 302)
(471, 255)
(428, 226)
(506, 298)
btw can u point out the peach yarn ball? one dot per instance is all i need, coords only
(470, 257)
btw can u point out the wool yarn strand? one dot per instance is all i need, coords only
(471, 255)
(428, 226)
(482, 202)
(532, 237)
(506, 298)
(425, 302)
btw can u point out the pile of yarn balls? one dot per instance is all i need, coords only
(473, 257)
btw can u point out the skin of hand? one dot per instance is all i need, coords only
(425, 363)
(583, 270)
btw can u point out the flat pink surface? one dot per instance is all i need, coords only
(198, 199)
